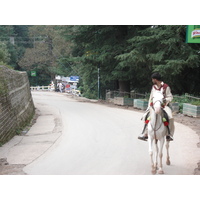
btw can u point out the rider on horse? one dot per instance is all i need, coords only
(165, 89)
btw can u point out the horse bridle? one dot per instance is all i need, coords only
(155, 102)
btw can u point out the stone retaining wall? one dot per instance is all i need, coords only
(16, 104)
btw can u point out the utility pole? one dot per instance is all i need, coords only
(12, 40)
(34, 60)
(98, 83)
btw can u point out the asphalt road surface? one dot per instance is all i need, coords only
(101, 140)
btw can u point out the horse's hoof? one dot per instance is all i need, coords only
(153, 172)
(168, 162)
(160, 172)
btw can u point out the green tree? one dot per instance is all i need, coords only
(163, 49)
(4, 54)
(97, 47)
(45, 56)
(125, 55)
(16, 40)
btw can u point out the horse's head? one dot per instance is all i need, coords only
(157, 101)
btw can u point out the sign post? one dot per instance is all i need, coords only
(33, 74)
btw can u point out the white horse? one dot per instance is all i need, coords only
(157, 131)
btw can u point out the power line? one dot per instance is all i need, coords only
(25, 42)
(16, 39)
(24, 37)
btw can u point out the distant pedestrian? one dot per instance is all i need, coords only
(60, 86)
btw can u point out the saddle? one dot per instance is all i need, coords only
(165, 119)
(166, 115)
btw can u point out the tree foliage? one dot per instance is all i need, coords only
(124, 55)
(14, 38)
(163, 49)
(47, 50)
(4, 54)
(129, 54)
(97, 47)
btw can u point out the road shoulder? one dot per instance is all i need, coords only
(23, 149)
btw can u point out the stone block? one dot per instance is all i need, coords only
(175, 107)
(191, 110)
(122, 101)
(142, 104)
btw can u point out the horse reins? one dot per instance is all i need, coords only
(155, 121)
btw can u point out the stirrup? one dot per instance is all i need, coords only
(169, 138)
(144, 138)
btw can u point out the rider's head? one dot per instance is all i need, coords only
(156, 77)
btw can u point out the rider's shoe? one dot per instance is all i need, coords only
(169, 138)
(143, 137)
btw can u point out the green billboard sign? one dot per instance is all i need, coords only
(193, 34)
(33, 73)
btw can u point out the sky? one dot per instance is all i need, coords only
(104, 12)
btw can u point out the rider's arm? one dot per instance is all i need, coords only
(150, 97)
(169, 96)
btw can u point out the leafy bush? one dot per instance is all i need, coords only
(196, 102)
(180, 99)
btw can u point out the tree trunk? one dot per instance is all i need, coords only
(124, 86)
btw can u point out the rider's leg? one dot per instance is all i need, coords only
(169, 137)
(170, 129)
(143, 135)
(171, 126)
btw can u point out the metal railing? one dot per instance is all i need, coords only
(191, 97)
(186, 97)
(42, 88)
(132, 94)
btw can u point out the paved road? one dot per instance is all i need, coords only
(100, 140)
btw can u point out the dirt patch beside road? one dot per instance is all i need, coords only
(193, 123)
(6, 169)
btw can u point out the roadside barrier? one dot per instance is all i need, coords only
(42, 88)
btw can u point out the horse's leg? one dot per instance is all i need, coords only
(150, 140)
(168, 158)
(172, 129)
(160, 171)
(156, 155)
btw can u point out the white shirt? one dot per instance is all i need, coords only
(167, 93)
